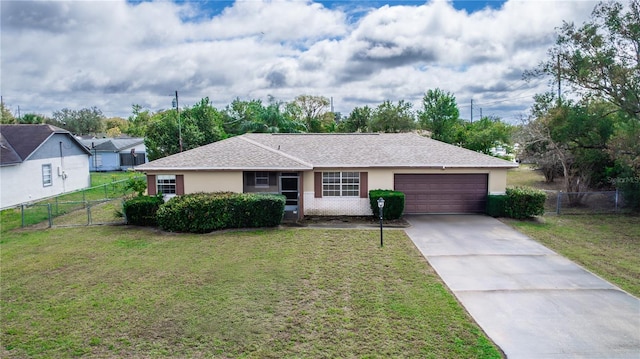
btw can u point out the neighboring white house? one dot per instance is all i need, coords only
(115, 154)
(40, 161)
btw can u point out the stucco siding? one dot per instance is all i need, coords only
(56, 146)
(23, 183)
(212, 182)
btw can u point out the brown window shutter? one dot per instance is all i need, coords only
(151, 185)
(364, 184)
(317, 184)
(179, 184)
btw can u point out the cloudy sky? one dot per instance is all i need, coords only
(115, 53)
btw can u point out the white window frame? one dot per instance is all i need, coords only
(164, 183)
(261, 179)
(341, 184)
(47, 175)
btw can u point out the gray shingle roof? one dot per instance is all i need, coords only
(111, 144)
(309, 151)
(20, 141)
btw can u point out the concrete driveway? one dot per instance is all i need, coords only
(530, 301)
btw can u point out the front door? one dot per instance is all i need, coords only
(289, 188)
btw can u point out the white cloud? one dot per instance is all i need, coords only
(112, 54)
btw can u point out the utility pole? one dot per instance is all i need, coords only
(559, 83)
(176, 104)
(471, 110)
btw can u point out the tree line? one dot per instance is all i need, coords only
(202, 123)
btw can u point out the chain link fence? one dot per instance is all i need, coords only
(559, 202)
(95, 205)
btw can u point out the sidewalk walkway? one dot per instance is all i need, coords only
(530, 301)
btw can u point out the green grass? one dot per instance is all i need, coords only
(528, 176)
(116, 292)
(101, 178)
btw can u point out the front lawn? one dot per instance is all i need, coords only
(116, 292)
(608, 245)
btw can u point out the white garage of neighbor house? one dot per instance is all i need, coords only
(331, 174)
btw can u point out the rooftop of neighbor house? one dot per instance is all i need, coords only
(112, 144)
(18, 142)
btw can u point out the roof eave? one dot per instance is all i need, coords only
(222, 169)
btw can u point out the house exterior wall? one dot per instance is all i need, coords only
(104, 161)
(232, 181)
(23, 183)
(195, 182)
(383, 179)
(333, 206)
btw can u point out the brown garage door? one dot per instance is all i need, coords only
(443, 193)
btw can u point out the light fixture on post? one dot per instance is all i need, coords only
(380, 210)
(175, 104)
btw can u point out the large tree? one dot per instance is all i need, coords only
(314, 111)
(6, 115)
(358, 120)
(440, 115)
(87, 121)
(138, 121)
(601, 58)
(485, 134)
(196, 126)
(389, 117)
(573, 137)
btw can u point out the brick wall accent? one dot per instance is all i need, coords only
(336, 206)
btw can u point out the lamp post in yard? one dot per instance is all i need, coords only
(177, 106)
(380, 210)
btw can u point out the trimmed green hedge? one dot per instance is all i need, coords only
(393, 203)
(496, 204)
(141, 210)
(207, 212)
(524, 202)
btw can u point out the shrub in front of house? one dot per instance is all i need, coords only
(496, 205)
(393, 203)
(141, 210)
(524, 202)
(207, 212)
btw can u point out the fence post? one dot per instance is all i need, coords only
(616, 200)
(49, 213)
(22, 214)
(559, 202)
(84, 197)
(88, 213)
(106, 196)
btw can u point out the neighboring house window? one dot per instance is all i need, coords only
(341, 184)
(46, 175)
(98, 160)
(262, 179)
(166, 184)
